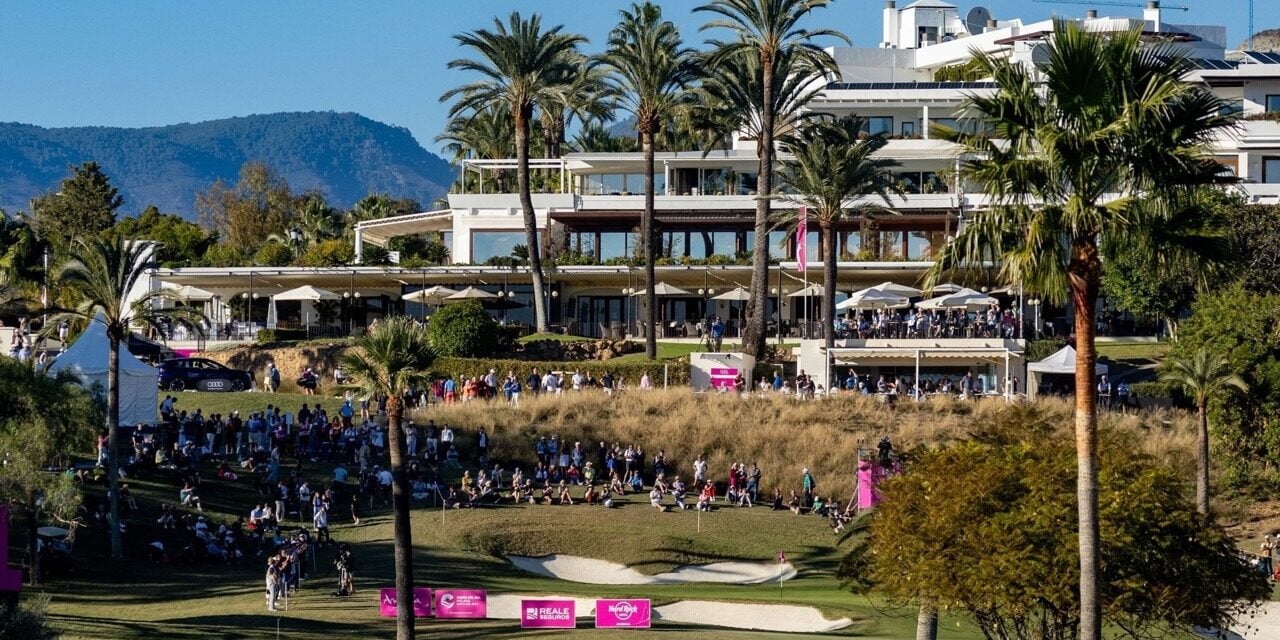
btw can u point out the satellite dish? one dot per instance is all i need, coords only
(976, 20)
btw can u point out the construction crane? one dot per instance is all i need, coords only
(1107, 3)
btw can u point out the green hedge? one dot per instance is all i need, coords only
(1154, 390)
(629, 370)
(1038, 350)
(272, 336)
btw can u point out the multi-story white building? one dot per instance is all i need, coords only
(705, 202)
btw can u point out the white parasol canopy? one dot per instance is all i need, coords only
(897, 289)
(964, 298)
(811, 291)
(470, 293)
(945, 288)
(188, 292)
(430, 295)
(306, 292)
(664, 289)
(872, 299)
(736, 294)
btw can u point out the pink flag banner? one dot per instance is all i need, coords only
(461, 603)
(802, 238)
(723, 377)
(547, 614)
(421, 602)
(623, 614)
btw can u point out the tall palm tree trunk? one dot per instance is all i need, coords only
(828, 288)
(927, 623)
(753, 336)
(646, 232)
(402, 534)
(530, 220)
(1085, 274)
(1202, 455)
(113, 440)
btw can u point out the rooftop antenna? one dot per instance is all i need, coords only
(1137, 5)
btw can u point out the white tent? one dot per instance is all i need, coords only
(897, 289)
(1062, 361)
(87, 359)
(306, 292)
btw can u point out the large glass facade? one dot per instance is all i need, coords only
(621, 183)
(879, 124)
(486, 245)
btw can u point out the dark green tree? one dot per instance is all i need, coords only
(182, 243)
(985, 527)
(247, 213)
(83, 206)
(463, 330)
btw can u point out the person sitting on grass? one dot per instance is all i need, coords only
(819, 507)
(452, 500)
(636, 482)
(546, 494)
(126, 498)
(589, 496)
(188, 497)
(793, 503)
(616, 485)
(606, 498)
(660, 483)
(225, 473)
(167, 519)
(563, 492)
(707, 496)
(777, 499)
(655, 499)
(677, 492)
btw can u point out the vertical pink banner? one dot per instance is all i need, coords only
(623, 614)
(421, 602)
(868, 495)
(802, 237)
(461, 603)
(544, 614)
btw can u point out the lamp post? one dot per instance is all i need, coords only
(1035, 326)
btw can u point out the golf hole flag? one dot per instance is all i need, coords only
(622, 614)
(548, 614)
(802, 237)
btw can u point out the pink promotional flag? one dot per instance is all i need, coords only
(421, 602)
(622, 614)
(802, 238)
(461, 603)
(544, 614)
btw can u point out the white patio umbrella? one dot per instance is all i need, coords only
(430, 295)
(306, 292)
(897, 289)
(470, 293)
(945, 288)
(664, 289)
(811, 291)
(188, 292)
(872, 299)
(964, 298)
(737, 294)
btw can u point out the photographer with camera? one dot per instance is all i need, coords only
(344, 560)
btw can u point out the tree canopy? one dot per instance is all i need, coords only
(182, 243)
(987, 526)
(83, 206)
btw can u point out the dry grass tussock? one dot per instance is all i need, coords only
(780, 434)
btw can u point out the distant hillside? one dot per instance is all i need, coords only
(1265, 40)
(345, 155)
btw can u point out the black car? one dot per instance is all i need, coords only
(200, 374)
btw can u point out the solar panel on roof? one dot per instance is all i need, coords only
(1263, 57)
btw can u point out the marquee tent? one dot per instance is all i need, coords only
(1062, 361)
(87, 359)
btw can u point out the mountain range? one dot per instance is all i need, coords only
(346, 156)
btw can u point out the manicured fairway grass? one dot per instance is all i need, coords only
(138, 599)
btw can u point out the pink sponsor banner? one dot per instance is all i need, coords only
(622, 614)
(461, 603)
(421, 602)
(723, 377)
(543, 614)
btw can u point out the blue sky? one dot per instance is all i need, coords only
(141, 63)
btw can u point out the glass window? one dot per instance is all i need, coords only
(922, 244)
(1273, 103)
(850, 245)
(948, 123)
(614, 183)
(746, 183)
(813, 244)
(910, 182)
(908, 129)
(880, 124)
(614, 244)
(672, 244)
(494, 244)
(890, 245)
(724, 243)
(1232, 106)
(593, 184)
(714, 181)
(1271, 170)
(700, 244)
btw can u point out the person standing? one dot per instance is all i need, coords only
(717, 334)
(446, 441)
(808, 484)
(699, 470)
(534, 382)
(482, 447)
(271, 380)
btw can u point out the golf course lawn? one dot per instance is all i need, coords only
(459, 548)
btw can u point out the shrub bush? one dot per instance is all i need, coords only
(1153, 390)
(272, 336)
(327, 253)
(627, 370)
(1038, 350)
(463, 330)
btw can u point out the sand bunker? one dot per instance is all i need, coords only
(731, 615)
(593, 571)
(762, 617)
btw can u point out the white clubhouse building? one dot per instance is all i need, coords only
(705, 208)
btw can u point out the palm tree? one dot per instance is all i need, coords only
(395, 356)
(1204, 375)
(488, 133)
(596, 137)
(834, 162)
(521, 66)
(1088, 156)
(651, 70)
(104, 275)
(765, 30)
